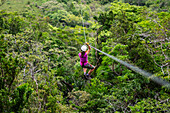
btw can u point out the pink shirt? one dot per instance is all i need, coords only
(83, 59)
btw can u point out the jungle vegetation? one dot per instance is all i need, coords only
(39, 64)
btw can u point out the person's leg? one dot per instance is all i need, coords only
(85, 75)
(91, 67)
(84, 69)
(91, 70)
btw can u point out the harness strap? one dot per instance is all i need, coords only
(84, 62)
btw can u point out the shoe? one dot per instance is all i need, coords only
(85, 76)
(88, 77)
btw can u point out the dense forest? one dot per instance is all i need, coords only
(40, 68)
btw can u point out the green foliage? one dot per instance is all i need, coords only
(2, 2)
(15, 101)
(121, 25)
(78, 98)
(151, 105)
(136, 2)
(20, 97)
(39, 63)
(11, 100)
(158, 5)
(96, 88)
(10, 66)
(11, 24)
(109, 67)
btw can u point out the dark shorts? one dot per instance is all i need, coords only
(89, 66)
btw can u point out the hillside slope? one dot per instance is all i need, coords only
(39, 45)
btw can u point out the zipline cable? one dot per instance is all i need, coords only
(83, 23)
(138, 70)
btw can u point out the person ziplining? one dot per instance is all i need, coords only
(84, 60)
(86, 65)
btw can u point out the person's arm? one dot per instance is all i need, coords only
(88, 51)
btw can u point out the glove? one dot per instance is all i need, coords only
(87, 43)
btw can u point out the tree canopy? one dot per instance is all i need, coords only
(39, 63)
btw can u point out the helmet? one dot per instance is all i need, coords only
(83, 48)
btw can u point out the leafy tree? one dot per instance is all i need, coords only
(13, 98)
(40, 70)
(2, 2)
